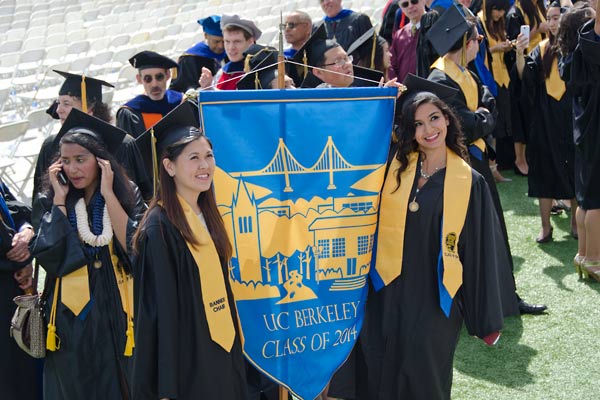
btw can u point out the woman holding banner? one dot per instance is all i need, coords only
(436, 255)
(188, 345)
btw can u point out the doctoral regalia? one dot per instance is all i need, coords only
(18, 378)
(407, 341)
(346, 28)
(175, 356)
(140, 113)
(190, 66)
(89, 361)
(583, 79)
(230, 75)
(550, 148)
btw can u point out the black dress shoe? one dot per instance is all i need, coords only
(533, 309)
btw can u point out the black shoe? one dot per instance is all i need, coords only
(533, 309)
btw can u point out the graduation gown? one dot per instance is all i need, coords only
(346, 27)
(407, 341)
(175, 356)
(89, 363)
(584, 81)
(190, 66)
(128, 155)
(140, 113)
(550, 149)
(18, 378)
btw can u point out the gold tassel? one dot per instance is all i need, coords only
(247, 63)
(52, 339)
(256, 81)
(130, 344)
(373, 50)
(305, 62)
(84, 106)
(463, 54)
(154, 162)
(174, 73)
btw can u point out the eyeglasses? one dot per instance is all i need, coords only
(292, 25)
(340, 62)
(158, 77)
(404, 4)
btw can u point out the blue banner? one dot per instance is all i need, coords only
(298, 179)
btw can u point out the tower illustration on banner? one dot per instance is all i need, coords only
(272, 256)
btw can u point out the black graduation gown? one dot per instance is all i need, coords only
(407, 341)
(17, 369)
(477, 125)
(175, 356)
(128, 155)
(130, 121)
(550, 149)
(347, 30)
(189, 71)
(89, 363)
(584, 82)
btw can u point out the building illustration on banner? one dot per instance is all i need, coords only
(293, 249)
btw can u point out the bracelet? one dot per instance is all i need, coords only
(60, 205)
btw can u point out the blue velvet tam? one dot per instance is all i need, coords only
(211, 25)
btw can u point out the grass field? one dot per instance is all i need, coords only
(552, 356)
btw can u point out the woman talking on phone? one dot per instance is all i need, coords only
(89, 211)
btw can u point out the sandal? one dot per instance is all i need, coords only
(577, 261)
(591, 268)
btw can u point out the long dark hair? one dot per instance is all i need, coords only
(496, 29)
(570, 23)
(167, 196)
(121, 185)
(533, 9)
(455, 139)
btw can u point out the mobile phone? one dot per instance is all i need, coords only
(62, 178)
(525, 31)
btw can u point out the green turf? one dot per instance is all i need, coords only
(552, 356)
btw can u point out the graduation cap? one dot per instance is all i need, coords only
(244, 24)
(151, 59)
(52, 110)
(368, 42)
(312, 53)
(77, 85)
(257, 57)
(211, 25)
(365, 77)
(415, 85)
(446, 32)
(79, 122)
(173, 127)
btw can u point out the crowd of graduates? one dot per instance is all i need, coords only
(125, 223)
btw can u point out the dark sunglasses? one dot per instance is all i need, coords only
(158, 77)
(404, 4)
(292, 25)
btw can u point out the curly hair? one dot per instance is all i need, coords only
(570, 24)
(405, 133)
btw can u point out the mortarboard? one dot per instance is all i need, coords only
(151, 59)
(76, 85)
(257, 57)
(52, 110)
(370, 41)
(415, 85)
(77, 121)
(244, 24)
(211, 25)
(173, 127)
(312, 53)
(365, 77)
(451, 27)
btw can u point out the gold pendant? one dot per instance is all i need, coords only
(97, 264)
(413, 206)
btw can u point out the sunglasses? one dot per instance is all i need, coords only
(158, 77)
(404, 4)
(292, 25)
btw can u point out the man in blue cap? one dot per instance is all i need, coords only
(208, 53)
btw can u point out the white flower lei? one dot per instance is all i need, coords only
(83, 227)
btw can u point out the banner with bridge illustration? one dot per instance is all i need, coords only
(297, 183)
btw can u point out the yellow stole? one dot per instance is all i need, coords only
(75, 294)
(499, 69)
(392, 219)
(212, 282)
(537, 37)
(555, 87)
(467, 84)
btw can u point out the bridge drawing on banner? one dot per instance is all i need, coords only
(284, 163)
